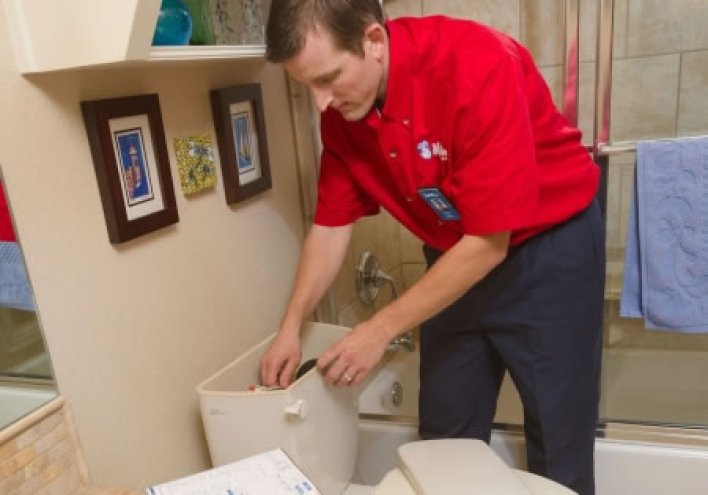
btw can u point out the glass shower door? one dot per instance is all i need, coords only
(26, 377)
(652, 84)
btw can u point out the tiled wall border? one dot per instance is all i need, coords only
(40, 454)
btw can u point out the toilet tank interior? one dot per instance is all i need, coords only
(245, 370)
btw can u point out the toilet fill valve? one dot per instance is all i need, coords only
(301, 370)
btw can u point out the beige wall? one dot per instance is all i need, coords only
(133, 328)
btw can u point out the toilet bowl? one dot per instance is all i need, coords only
(316, 425)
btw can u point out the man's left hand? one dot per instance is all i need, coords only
(349, 360)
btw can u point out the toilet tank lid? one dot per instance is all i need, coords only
(457, 467)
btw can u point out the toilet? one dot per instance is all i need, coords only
(316, 425)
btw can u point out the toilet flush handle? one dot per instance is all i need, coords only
(297, 408)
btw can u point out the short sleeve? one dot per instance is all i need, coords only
(495, 177)
(340, 199)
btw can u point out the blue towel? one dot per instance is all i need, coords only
(666, 256)
(15, 290)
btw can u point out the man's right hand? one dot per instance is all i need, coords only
(321, 259)
(280, 361)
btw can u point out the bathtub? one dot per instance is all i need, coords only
(629, 459)
(18, 401)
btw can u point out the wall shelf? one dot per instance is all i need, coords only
(52, 35)
(163, 53)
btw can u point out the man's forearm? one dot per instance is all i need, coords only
(454, 273)
(321, 259)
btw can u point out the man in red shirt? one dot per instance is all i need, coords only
(449, 126)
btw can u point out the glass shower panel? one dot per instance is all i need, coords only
(22, 351)
(26, 377)
(659, 90)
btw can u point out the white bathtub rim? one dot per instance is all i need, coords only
(28, 421)
(643, 464)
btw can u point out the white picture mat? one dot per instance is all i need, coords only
(254, 173)
(156, 204)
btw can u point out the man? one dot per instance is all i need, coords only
(449, 126)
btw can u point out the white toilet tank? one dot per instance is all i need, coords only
(314, 423)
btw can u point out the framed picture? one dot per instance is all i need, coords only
(241, 139)
(129, 153)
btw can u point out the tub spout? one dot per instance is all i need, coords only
(402, 343)
(369, 278)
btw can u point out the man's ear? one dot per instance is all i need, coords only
(375, 40)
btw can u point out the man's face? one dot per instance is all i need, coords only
(347, 82)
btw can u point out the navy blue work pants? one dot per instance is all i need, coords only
(539, 316)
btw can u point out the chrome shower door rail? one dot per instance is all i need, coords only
(603, 76)
(571, 74)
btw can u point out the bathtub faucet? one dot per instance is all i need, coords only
(405, 341)
(370, 277)
(402, 343)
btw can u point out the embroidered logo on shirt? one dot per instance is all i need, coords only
(424, 150)
(439, 150)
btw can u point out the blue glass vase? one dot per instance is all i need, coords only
(174, 24)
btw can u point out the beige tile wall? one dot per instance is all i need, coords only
(645, 97)
(693, 98)
(666, 26)
(543, 30)
(502, 14)
(403, 8)
(381, 236)
(660, 86)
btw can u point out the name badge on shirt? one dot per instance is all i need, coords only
(439, 203)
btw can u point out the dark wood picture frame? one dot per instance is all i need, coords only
(239, 122)
(127, 141)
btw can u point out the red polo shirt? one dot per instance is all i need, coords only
(468, 112)
(7, 233)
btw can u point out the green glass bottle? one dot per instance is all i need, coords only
(202, 31)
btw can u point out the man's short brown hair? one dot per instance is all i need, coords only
(289, 21)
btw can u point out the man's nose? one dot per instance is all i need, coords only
(323, 98)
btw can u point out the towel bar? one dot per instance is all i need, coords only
(631, 146)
